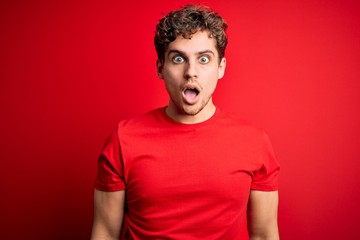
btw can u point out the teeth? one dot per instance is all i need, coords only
(194, 89)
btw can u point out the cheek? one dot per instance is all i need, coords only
(211, 79)
(209, 86)
(173, 76)
(213, 86)
(171, 80)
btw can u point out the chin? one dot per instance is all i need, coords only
(192, 110)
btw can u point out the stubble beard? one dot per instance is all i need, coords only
(191, 110)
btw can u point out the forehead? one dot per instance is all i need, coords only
(199, 42)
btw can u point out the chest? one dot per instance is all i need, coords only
(209, 167)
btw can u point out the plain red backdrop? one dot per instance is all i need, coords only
(70, 70)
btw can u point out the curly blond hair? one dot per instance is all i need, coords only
(187, 21)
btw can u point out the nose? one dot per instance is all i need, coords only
(190, 70)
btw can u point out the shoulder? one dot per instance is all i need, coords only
(148, 119)
(242, 130)
(238, 123)
(247, 134)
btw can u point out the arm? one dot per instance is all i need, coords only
(262, 215)
(108, 215)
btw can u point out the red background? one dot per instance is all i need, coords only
(69, 71)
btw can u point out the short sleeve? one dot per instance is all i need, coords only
(267, 177)
(110, 167)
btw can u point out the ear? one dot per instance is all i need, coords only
(159, 68)
(222, 67)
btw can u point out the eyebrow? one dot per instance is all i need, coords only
(183, 53)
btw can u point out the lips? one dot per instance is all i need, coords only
(190, 94)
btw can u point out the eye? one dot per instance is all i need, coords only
(204, 59)
(178, 59)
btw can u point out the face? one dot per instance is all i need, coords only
(191, 70)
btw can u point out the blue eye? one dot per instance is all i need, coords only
(178, 59)
(204, 59)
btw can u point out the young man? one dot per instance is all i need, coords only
(189, 170)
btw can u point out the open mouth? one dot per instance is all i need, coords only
(190, 95)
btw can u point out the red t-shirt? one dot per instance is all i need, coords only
(186, 181)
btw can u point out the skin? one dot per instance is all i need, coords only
(108, 215)
(262, 215)
(189, 63)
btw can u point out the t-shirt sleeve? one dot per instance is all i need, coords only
(110, 166)
(266, 178)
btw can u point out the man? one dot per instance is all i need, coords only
(189, 170)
